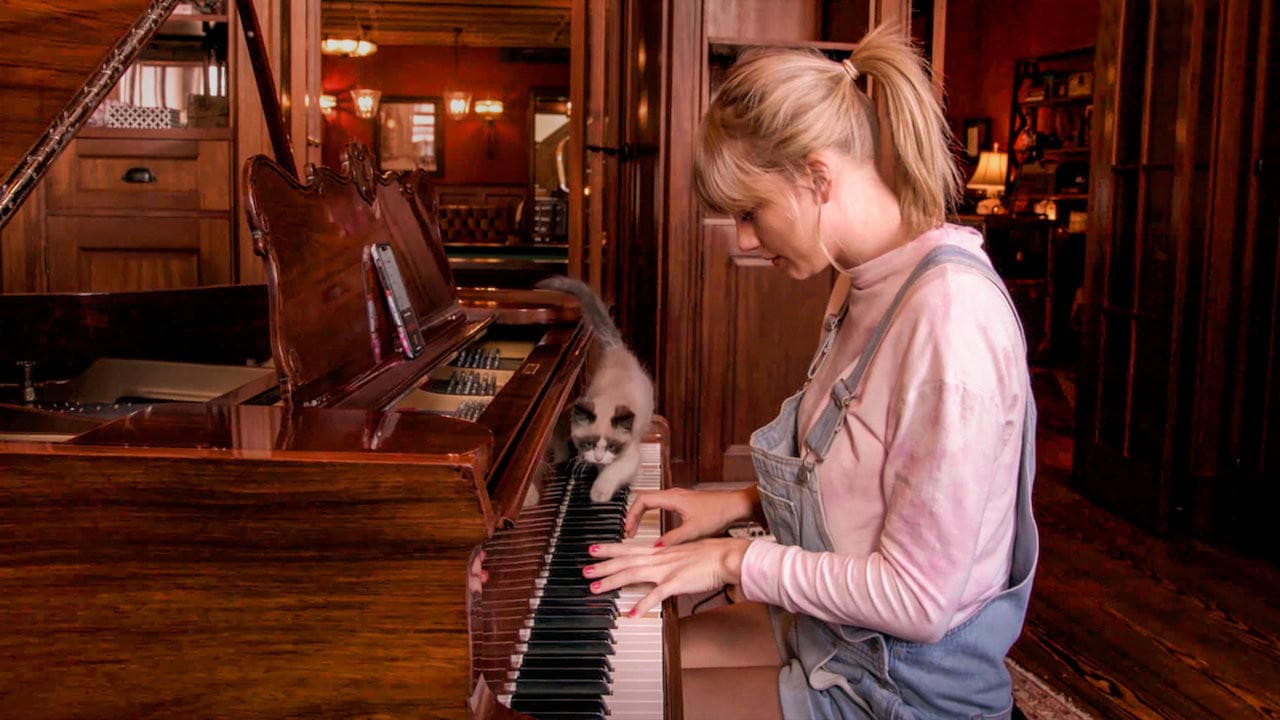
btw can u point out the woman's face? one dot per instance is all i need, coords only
(784, 233)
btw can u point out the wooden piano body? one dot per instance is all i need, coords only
(301, 543)
(304, 545)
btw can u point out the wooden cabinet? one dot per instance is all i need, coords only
(140, 208)
(738, 333)
(1177, 422)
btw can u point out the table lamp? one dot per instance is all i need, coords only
(989, 178)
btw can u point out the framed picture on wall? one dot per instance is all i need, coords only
(409, 134)
(975, 136)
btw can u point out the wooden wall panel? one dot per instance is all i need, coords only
(69, 39)
(1176, 422)
(22, 243)
(89, 253)
(758, 332)
(764, 19)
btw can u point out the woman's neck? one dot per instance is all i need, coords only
(868, 220)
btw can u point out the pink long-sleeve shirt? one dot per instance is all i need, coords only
(919, 488)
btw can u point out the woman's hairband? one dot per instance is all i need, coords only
(847, 64)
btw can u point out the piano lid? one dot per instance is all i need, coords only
(58, 60)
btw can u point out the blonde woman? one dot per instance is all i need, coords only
(897, 481)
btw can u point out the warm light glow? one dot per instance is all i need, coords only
(489, 109)
(328, 103)
(458, 103)
(990, 175)
(366, 102)
(353, 47)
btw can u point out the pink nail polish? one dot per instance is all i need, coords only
(631, 612)
(589, 571)
(593, 549)
(658, 544)
(595, 586)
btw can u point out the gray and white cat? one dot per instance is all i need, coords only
(608, 422)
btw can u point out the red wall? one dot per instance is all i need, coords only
(984, 37)
(417, 70)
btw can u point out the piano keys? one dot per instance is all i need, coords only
(559, 652)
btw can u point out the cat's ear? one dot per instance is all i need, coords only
(623, 418)
(584, 411)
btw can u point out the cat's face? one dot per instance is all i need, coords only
(599, 438)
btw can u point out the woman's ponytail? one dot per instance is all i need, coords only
(925, 171)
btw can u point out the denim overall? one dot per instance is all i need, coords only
(841, 671)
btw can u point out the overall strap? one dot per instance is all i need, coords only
(824, 431)
(837, 306)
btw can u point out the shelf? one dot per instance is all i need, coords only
(112, 133)
(727, 49)
(176, 18)
(1052, 102)
(1066, 152)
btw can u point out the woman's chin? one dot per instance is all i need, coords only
(793, 270)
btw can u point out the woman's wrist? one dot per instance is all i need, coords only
(735, 549)
(745, 505)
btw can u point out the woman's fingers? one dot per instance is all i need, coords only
(609, 550)
(651, 599)
(624, 577)
(646, 500)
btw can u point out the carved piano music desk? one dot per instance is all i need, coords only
(352, 534)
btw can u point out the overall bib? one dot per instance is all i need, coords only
(841, 671)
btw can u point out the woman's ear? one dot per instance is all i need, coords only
(820, 177)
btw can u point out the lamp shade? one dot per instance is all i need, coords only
(489, 109)
(989, 177)
(458, 103)
(366, 102)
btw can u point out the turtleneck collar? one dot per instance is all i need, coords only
(891, 265)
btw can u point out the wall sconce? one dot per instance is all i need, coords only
(458, 104)
(328, 104)
(490, 110)
(989, 178)
(366, 102)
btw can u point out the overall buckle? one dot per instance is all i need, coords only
(841, 394)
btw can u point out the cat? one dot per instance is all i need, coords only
(608, 422)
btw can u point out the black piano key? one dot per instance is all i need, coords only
(559, 663)
(568, 647)
(586, 610)
(584, 621)
(574, 591)
(562, 688)
(539, 705)
(568, 674)
(544, 634)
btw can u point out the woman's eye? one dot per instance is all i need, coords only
(747, 216)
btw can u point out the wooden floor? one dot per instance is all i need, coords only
(1126, 625)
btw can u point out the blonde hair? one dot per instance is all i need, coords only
(777, 107)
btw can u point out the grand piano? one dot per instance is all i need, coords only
(325, 526)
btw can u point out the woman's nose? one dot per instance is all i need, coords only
(747, 237)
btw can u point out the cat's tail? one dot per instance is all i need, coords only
(592, 306)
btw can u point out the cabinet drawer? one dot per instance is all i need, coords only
(116, 254)
(101, 173)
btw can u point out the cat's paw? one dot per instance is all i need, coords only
(602, 492)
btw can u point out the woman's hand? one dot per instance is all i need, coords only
(677, 570)
(702, 514)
